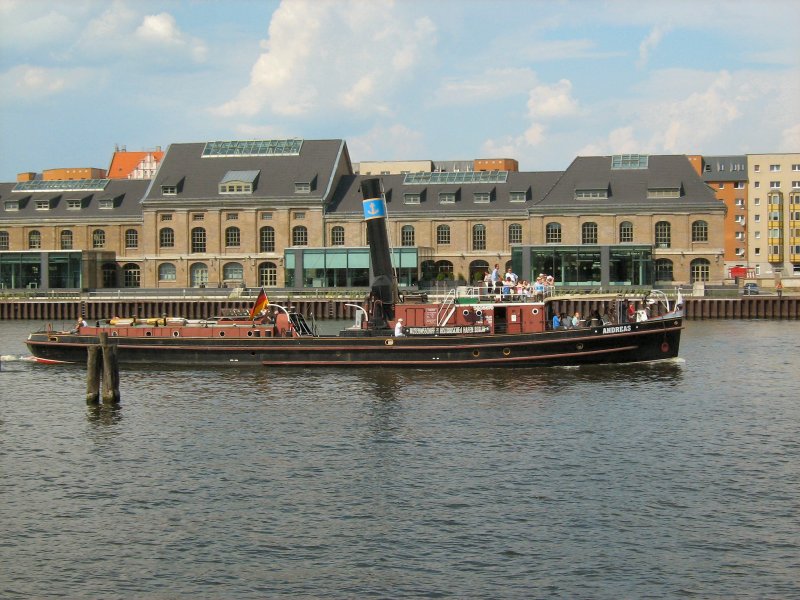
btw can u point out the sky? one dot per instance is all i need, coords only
(538, 81)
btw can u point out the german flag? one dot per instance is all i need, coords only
(260, 304)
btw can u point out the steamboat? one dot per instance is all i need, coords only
(469, 327)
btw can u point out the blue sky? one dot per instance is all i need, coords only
(539, 81)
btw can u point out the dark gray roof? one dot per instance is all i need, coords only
(126, 193)
(277, 174)
(725, 168)
(628, 187)
(347, 199)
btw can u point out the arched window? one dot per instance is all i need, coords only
(589, 233)
(167, 272)
(266, 239)
(198, 239)
(625, 232)
(664, 270)
(553, 233)
(131, 238)
(407, 235)
(701, 269)
(66, 240)
(34, 240)
(166, 238)
(515, 233)
(3, 240)
(299, 236)
(337, 236)
(477, 269)
(232, 271)
(131, 276)
(479, 236)
(233, 237)
(444, 267)
(98, 238)
(443, 235)
(268, 274)
(663, 234)
(198, 275)
(700, 231)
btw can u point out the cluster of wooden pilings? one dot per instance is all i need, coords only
(749, 307)
(102, 366)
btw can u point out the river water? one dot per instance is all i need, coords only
(679, 479)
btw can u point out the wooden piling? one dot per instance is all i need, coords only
(94, 367)
(110, 370)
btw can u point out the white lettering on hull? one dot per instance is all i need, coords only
(617, 329)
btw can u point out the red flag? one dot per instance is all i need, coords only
(260, 304)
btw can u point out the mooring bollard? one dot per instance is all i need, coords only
(101, 363)
(94, 367)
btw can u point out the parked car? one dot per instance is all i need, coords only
(750, 289)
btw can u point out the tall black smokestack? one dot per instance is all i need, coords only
(384, 286)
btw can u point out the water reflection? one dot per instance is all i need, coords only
(104, 415)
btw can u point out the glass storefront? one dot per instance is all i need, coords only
(40, 270)
(586, 266)
(343, 267)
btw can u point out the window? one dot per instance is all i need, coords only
(447, 198)
(407, 235)
(699, 231)
(479, 237)
(169, 190)
(740, 252)
(299, 216)
(774, 168)
(663, 234)
(722, 186)
(266, 239)
(757, 235)
(198, 275)
(796, 184)
(411, 198)
(337, 236)
(739, 219)
(3, 240)
(443, 235)
(131, 276)
(66, 240)
(232, 237)
(299, 236)
(774, 185)
(34, 240)
(267, 274)
(232, 271)
(664, 270)
(739, 235)
(198, 239)
(74, 204)
(98, 238)
(757, 218)
(740, 202)
(42, 205)
(106, 204)
(515, 233)
(701, 269)
(757, 168)
(739, 185)
(625, 232)
(482, 197)
(167, 217)
(11, 205)
(302, 187)
(166, 238)
(796, 167)
(654, 193)
(518, 197)
(198, 217)
(266, 216)
(166, 272)
(552, 233)
(757, 184)
(593, 194)
(131, 238)
(589, 233)
(232, 216)
(756, 201)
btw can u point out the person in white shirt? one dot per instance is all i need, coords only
(398, 328)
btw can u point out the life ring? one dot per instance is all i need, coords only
(176, 333)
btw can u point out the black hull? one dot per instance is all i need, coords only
(635, 342)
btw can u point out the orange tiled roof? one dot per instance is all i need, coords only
(123, 163)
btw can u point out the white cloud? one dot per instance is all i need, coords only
(33, 83)
(552, 101)
(393, 142)
(491, 85)
(649, 43)
(327, 56)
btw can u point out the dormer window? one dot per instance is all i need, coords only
(518, 196)
(42, 205)
(591, 194)
(169, 190)
(11, 205)
(663, 192)
(411, 198)
(302, 187)
(238, 182)
(447, 198)
(105, 203)
(73, 204)
(482, 197)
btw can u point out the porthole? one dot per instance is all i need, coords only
(115, 334)
(221, 334)
(389, 342)
(476, 353)
(579, 346)
(176, 333)
(506, 351)
(534, 311)
(148, 333)
(52, 338)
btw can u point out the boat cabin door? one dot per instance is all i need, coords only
(500, 319)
